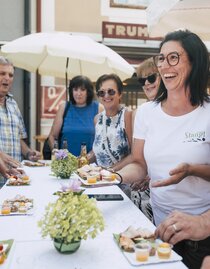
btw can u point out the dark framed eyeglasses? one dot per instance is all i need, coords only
(151, 79)
(172, 59)
(102, 93)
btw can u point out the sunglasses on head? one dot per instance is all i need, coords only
(151, 79)
(102, 93)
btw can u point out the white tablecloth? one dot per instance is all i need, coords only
(31, 251)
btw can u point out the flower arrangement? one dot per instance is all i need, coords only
(73, 217)
(64, 163)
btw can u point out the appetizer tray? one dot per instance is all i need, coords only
(35, 164)
(19, 205)
(92, 175)
(130, 254)
(5, 247)
(22, 180)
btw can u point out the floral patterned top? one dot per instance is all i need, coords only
(111, 142)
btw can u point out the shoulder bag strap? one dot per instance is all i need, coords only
(64, 115)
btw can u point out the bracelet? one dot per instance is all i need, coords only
(121, 178)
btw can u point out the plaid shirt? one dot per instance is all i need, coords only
(12, 128)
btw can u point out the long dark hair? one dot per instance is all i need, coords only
(81, 81)
(199, 59)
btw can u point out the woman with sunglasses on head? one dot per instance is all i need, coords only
(149, 80)
(78, 124)
(113, 126)
(172, 144)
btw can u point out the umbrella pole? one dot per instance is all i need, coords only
(67, 64)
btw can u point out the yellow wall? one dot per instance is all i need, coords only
(78, 16)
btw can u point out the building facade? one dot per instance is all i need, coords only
(121, 25)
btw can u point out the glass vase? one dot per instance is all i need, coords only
(66, 248)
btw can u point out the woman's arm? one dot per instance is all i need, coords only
(57, 124)
(125, 161)
(137, 170)
(129, 132)
(200, 170)
(133, 168)
(133, 118)
(128, 125)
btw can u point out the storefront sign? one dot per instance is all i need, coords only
(126, 31)
(51, 99)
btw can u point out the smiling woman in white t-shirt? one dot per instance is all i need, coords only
(172, 141)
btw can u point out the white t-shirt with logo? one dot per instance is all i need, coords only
(170, 141)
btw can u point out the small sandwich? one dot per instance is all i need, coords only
(126, 244)
(132, 236)
(133, 233)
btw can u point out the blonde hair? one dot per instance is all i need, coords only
(146, 67)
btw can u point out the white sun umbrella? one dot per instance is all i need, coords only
(164, 16)
(60, 55)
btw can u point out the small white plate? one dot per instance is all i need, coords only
(99, 183)
(131, 257)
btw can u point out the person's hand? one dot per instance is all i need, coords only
(141, 185)
(206, 263)
(10, 167)
(4, 169)
(179, 226)
(9, 161)
(176, 175)
(17, 172)
(34, 155)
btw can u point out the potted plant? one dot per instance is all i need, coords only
(71, 218)
(64, 163)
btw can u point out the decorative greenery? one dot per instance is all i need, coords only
(74, 216)
(64, 164)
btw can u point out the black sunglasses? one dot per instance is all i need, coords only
(102, 93)
(151, 78)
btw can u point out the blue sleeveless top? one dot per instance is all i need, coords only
(78, 127)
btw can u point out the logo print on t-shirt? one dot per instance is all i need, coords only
(198, 136)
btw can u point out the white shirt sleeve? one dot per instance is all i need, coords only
(140, 125)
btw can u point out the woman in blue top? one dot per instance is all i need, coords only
(78, 124)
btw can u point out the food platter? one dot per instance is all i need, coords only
(19, 205)
(154, 255)
(35, 164)
(3, 249)
(22, 180)
(5, 246)
(93, 176)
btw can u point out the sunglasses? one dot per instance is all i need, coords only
(151, 79)
(102, 93)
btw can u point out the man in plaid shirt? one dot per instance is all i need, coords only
(12, 128)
